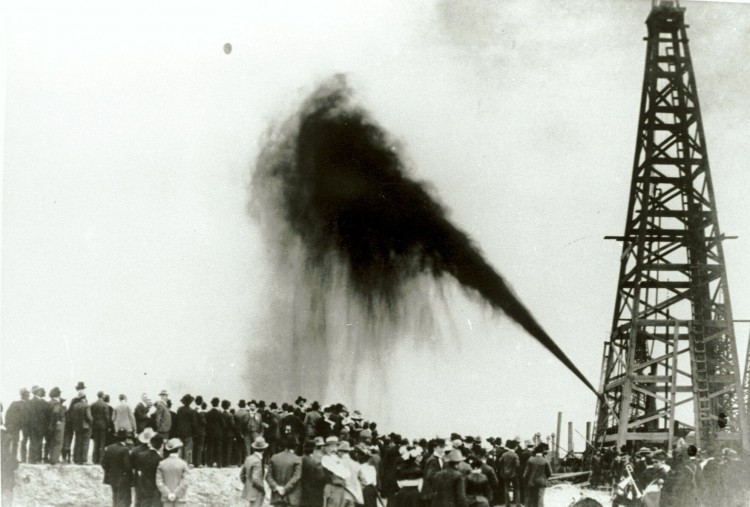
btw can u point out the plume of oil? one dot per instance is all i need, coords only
(336, 187)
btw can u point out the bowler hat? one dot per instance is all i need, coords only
(174, 443)
(54, 392)
(309, 445)
(80, 386)
(260, 443)
(121, 434)
(187, 399)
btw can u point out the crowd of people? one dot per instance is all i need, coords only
(683, 477)
(310, 455)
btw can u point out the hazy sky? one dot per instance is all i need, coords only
(129, 260)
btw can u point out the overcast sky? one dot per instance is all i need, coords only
(129, 260)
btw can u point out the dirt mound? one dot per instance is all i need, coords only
(81, 486)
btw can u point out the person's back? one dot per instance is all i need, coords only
(449, 489)
(313, 481)
(124, 418)
(171, 474)
(285, 471)
(509, 464)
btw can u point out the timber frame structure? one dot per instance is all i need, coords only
(670, 366)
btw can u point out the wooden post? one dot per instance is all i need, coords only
(570, 437)
(557, 437)
(588, 434)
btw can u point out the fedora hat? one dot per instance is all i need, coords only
(80, 386)
(146, 435)
(643, 451)
(174, 443)
(319, 442)
(455, 456)
(344, 446)
(54, 392)
(332, 440)
(164, 393)
(260, 443)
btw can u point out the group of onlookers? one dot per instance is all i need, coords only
(306, 453)
(680, 478)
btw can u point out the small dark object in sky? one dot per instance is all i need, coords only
(227, 48)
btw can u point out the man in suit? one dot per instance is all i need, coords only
(38, 423)
(449, 484)
(284, 473)
(118, 472)
(227, 444)
(535, 477)
(240, 421)
(171, 475)
(313, 477)
(199, 438)
(123, 417)
(214, 434)
(162, 415)
(79, 415)
(141, 413)
(253, 428)
(99, 426)
(432, 466)
(312, 421)
(56, 431)
(251, 475)
(145, 464)
(16, 421)
(508, 465)
(184, 427)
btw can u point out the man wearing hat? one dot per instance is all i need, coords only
(449, 485)
(118, 471)
(185, 424)
(146, 463)
(171, 474)
(251, 475)
(100, 415)
(313, 476)
(162, 416)
(16, 418)
(535, 477)
(39, 416)
(312, 421)
(79, 418)
(336, 474)
(284, 473)
(56, 431)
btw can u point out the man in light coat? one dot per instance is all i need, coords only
(162, 415)
(284, 474)
(123, 418)
(171, 474)
(251, 475)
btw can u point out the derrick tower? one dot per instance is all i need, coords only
(670, 366)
